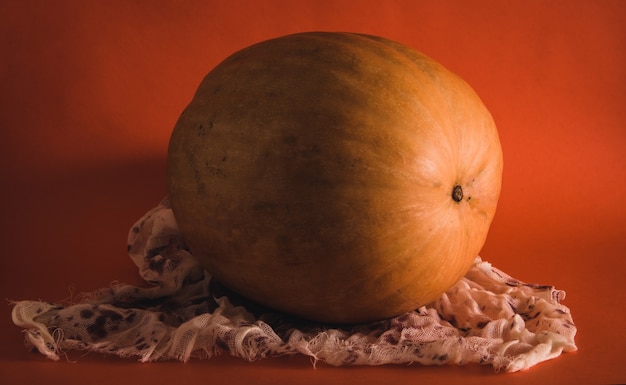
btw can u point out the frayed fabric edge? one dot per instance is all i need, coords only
(510, 325)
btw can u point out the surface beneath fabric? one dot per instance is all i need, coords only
(488, 318)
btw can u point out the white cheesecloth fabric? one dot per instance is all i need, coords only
(487, 318)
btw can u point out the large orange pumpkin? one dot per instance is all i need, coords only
(335, 176)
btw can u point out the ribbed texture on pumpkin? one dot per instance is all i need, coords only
(314, 174)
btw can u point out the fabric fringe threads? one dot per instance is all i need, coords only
(486, 318)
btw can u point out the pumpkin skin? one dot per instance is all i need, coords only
(338, 177)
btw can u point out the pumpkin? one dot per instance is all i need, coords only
(338, 177)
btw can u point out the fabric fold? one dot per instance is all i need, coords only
(488, 317)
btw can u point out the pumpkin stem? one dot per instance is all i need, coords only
(457, 193)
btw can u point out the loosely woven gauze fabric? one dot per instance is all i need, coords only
(487, 317)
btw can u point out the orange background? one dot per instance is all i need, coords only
(90, 91)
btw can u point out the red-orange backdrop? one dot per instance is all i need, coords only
(90, 90)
